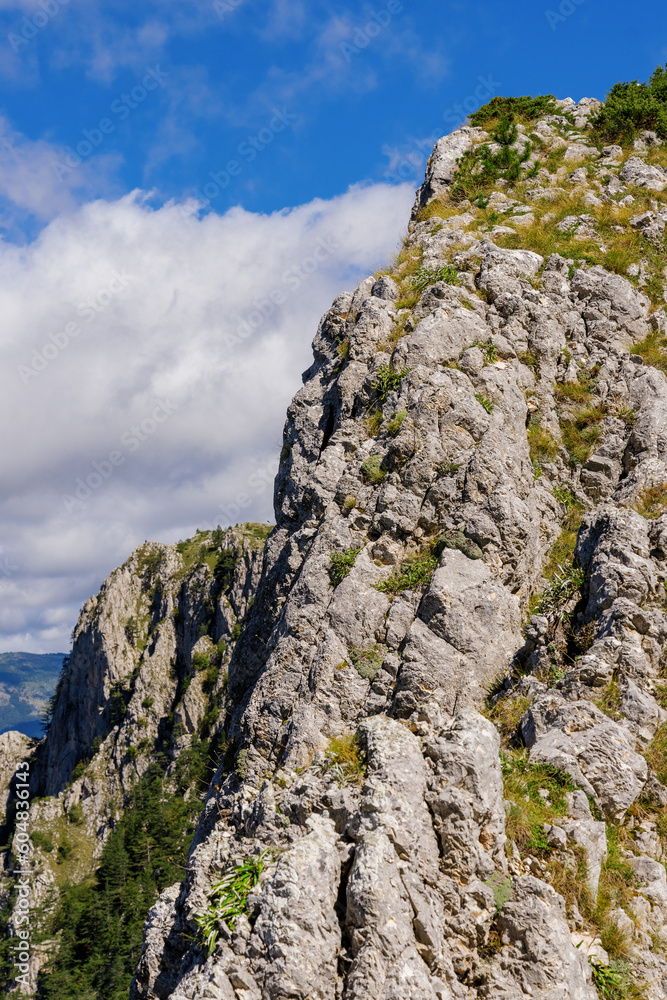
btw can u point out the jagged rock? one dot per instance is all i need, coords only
(582, 829)
(296, 934)
(424, 460)
(641, 174)
(597, 753)
(442, 163)
(14, 748)
(466, 797)
(541, 960)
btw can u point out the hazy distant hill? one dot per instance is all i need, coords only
(27, 680)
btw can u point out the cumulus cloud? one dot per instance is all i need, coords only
(148, 356)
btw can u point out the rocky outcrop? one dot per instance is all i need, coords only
(457, 625)
(146, 673)
(412, 459)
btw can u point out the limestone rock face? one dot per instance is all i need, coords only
(415, 669)
(14, 748)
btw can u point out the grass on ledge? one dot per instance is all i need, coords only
(653, 349)
(652, 502)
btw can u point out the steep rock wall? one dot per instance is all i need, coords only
(436, 452)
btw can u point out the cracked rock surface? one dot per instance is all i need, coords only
(458, 623)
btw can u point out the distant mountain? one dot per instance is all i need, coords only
(27, 681)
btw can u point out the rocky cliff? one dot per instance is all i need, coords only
(445, 747)
(147, 671)
(446, 704)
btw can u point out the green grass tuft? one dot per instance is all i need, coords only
(341, 564)
(228, 899)
(372, 470)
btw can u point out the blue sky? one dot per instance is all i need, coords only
(184, 189)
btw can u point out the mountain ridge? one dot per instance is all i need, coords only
(439, 750)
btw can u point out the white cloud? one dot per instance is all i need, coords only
(155, 377)
(32, 185)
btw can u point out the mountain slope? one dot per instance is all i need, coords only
(27, 681)
(436, 801)
(439, 752)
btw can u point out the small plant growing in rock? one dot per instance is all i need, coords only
(373, 422)
(200, 661)
(615, 981)
(388, 379)
(425, 276)
(131, 630)
(228, 898)
(562, 587)
(241, 768)
(457, 540)
(394, 425)
(341, 564)
(652, 502)
(367, 661)
(487, 403)
(348, 505)
(345, 758)
(413, 573)
(565, 496)
(628, 416)
(372, 470)
(75, 814)
(501, 886)
(542, 445)
(448, 468)
(42, 840)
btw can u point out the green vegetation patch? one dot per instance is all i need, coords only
(542, 445)
(656, 753)
(341, 564)
(388, 379)
(480, 169)
(652, 502)
(367, 661)
(632, 107)
(228, 898)
(581, 431)
(346, 759)
(413, 573)
(501, 886)
(458, 540)
(653, 349)
(522, 109)
(425, 276)
(487, 403)
(506, 714)
(530, 808)
(372, 470)
(617, 981)
(396, 422)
